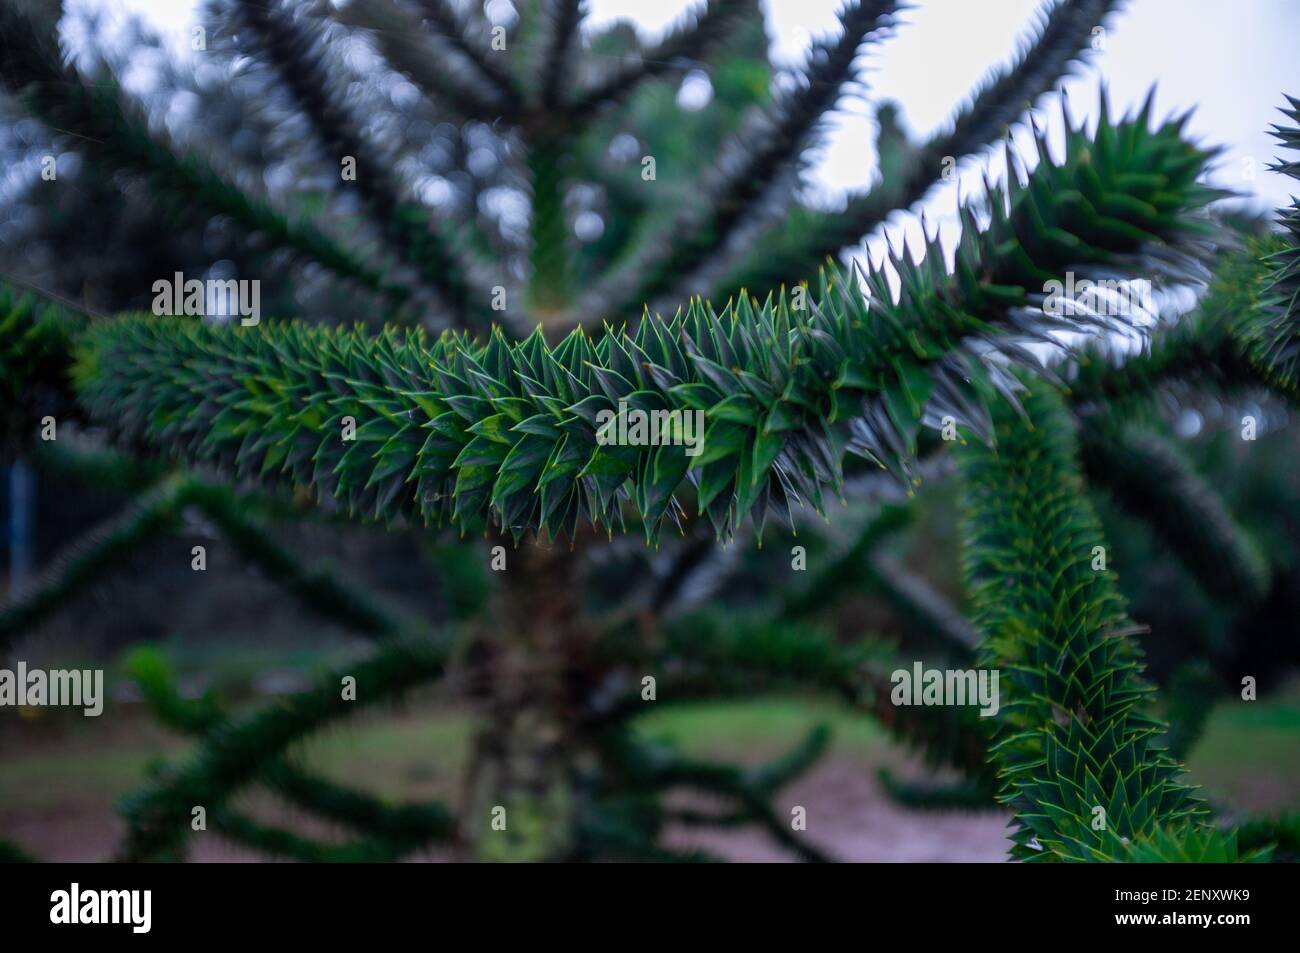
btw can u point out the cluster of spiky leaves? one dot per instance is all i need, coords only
(35, 342)
(1204, 845)
(793, 249)
(457, 431)
(1272, 329)
(1072, 739)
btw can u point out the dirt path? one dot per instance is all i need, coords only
(849, 816)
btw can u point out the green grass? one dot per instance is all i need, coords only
(1249, 754)
(419, 755)
(78, 768)
(760, 728)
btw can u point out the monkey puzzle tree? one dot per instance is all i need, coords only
(476, 396)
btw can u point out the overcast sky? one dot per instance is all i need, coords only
(1231, 61)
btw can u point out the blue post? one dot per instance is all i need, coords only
(22, 504)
